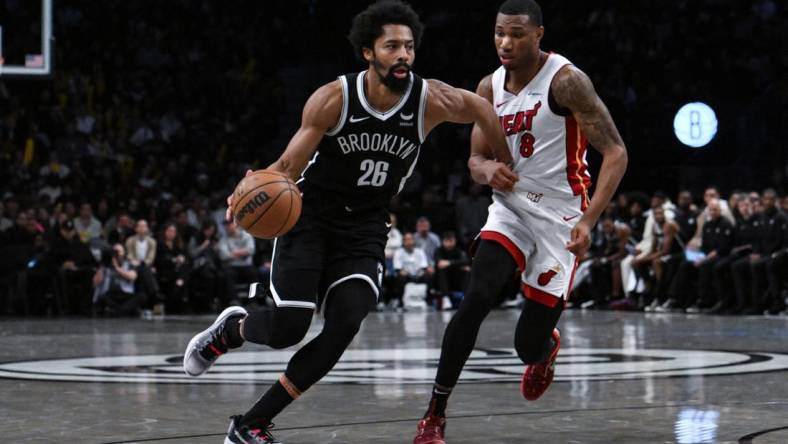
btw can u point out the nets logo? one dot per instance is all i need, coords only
(403, 366)
(253, 204)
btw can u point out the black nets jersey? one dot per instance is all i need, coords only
(365, 160)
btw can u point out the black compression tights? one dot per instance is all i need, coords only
(493, 268)
(346, 307)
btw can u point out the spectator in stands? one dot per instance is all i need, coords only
(767, 261)
(121, 229)
(172, 268)
(207, 277)
(141, 247)
(606, 255)
(471, 212)
(711, 193)
(410, 265)
(725, 285)
(665, 255)
(73, 265)
(115, 293)
(141, 253)
(186, 231)
(426, 240)
(451, 271)
(21, 233)
(686, 216)
(8, 215)
(88, 227)
(236, 249)
(716, 244)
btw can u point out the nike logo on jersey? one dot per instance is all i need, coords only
(405, 117)
(388, 225)
(353, 119)
(502, 103)
(567, 219)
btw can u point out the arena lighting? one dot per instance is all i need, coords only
(695, 124)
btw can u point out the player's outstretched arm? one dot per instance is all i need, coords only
(481, 163)
(321, 113)
(573, 89)
(448, 104)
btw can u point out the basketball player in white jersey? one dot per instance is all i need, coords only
(548, 109)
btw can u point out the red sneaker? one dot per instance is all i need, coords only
(537, 377)
(430, 430)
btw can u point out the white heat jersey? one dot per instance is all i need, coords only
(535, 221)
(548, 149)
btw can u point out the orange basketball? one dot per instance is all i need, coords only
(266, 204)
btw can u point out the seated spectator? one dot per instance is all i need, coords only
(770, 249)
(141, 253)
(658, 267)
(88, 227)
(207, 278)
(605, 256)
(717, 241)
(121, 229)
(8, 214)
(236, 249)
(74, 266)
(186, 231)
(725, 285)
(686, 216)
(172, 268)
(115, 293)
(451, 271)
(426, 240)
(410, 265)
(471, 213)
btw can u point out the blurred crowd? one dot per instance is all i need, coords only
(716, 255)
(116, 168)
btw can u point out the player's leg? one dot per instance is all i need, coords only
(349, 304)
(533, 338)
(547, 282)
(493, 267)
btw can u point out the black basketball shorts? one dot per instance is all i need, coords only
(317, 255)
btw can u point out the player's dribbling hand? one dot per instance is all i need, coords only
(499, 176)
(228, 214)
(581, 239)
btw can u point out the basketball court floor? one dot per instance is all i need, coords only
(621, 378)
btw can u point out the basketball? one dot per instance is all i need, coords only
(266, 204)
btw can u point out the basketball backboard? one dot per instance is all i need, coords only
(25, 37)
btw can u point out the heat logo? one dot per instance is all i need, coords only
(522, 122)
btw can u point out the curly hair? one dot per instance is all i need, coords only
(368, 24)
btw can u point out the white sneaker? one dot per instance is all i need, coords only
(206, 347)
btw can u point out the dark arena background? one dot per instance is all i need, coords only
(124, 125)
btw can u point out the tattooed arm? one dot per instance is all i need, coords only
(573, 90)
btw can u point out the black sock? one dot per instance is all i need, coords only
(440, 397)
(268, 406)
(232, 331)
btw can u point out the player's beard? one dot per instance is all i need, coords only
(392, 82)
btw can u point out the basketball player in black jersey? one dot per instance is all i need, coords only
(358, 142)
